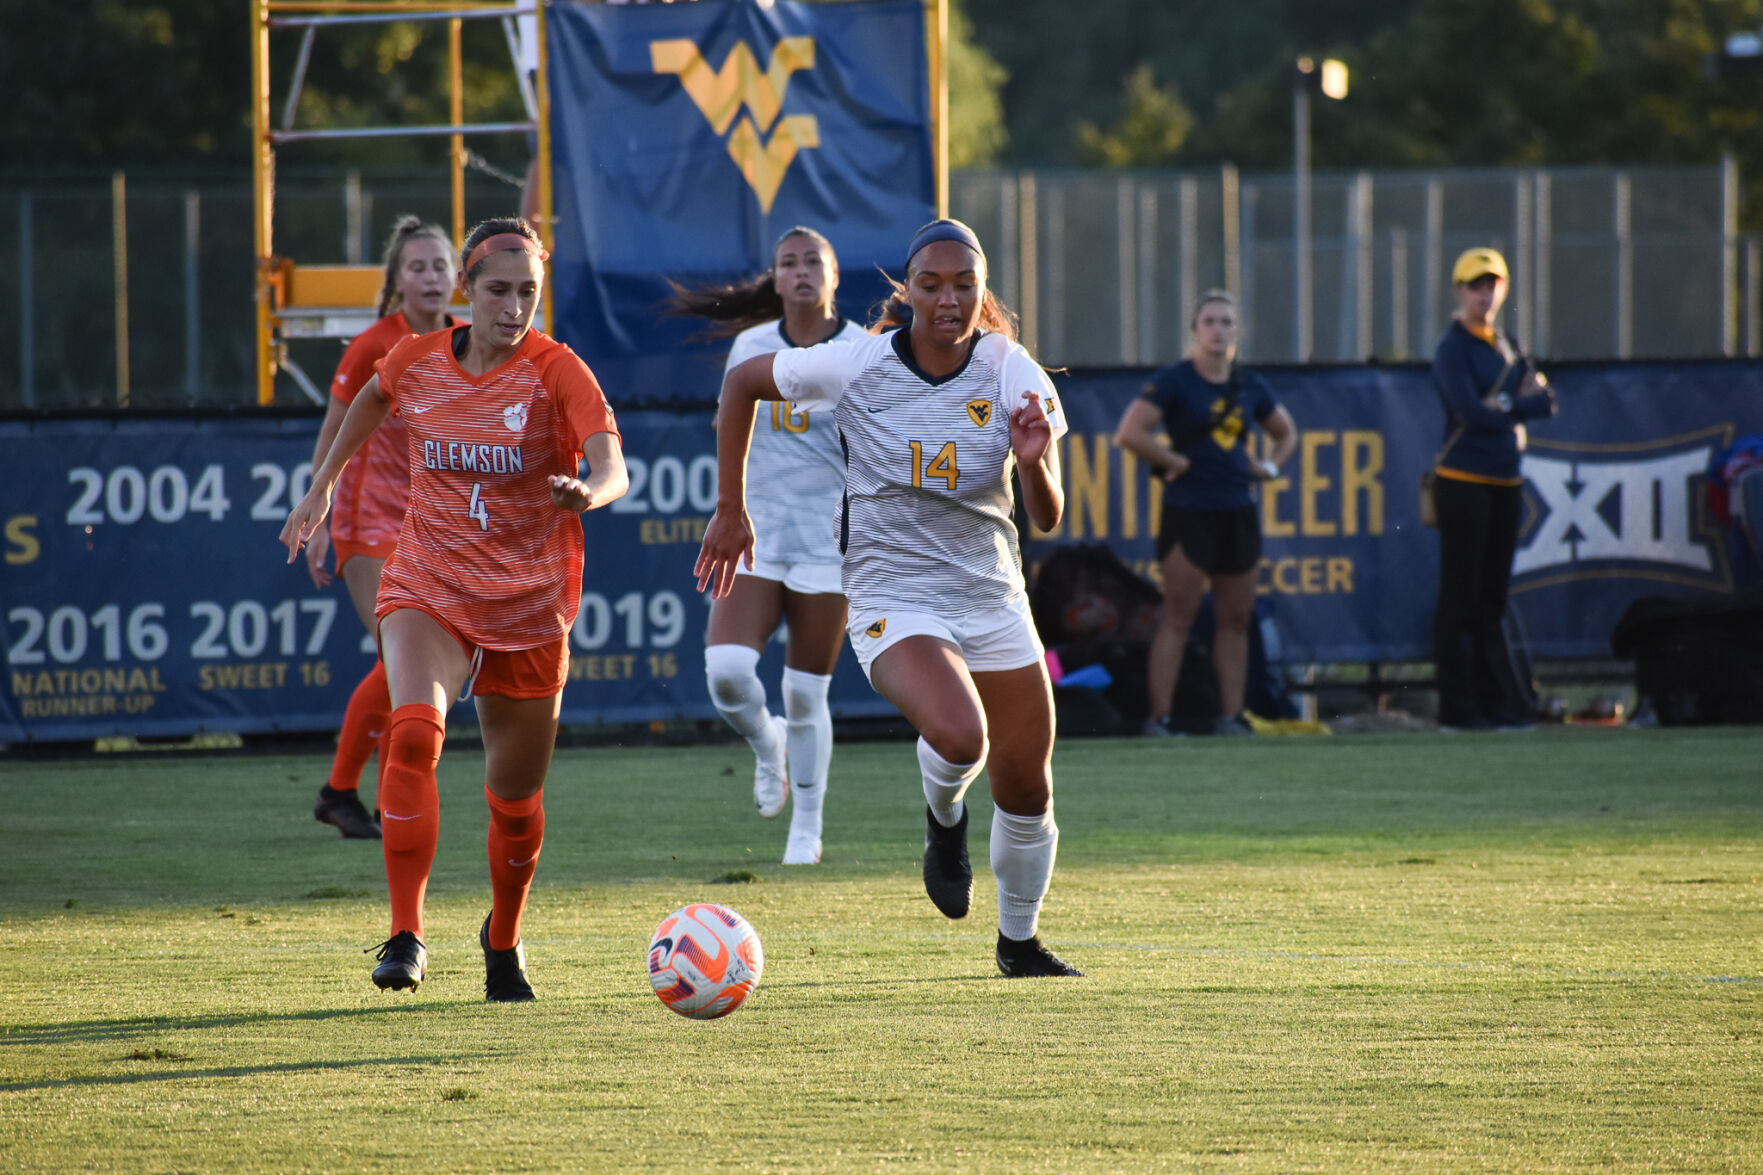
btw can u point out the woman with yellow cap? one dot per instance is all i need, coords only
(1489, 388)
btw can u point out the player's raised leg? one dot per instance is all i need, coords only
(926, 678)
(1025, 840)
(519, 736)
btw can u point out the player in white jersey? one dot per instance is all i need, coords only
(797, 472)
(934, 417)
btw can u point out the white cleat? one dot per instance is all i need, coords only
(803, 849)
(771, 784)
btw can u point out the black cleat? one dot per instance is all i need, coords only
(504, 971)
(403, 962)
(343, 809)
(948, 875)
(1029, 958)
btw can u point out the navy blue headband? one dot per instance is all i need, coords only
(943, 230)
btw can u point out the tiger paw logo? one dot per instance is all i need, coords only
(980, 412)
(514, 417)
(750, 99)
(876, 629)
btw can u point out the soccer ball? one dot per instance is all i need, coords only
(704, 960)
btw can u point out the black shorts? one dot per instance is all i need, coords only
(1218, 542)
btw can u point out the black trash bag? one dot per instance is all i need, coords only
(1085, 593)
(1695, 663)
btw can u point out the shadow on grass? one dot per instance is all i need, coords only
(235, 1071)
(134, 1026)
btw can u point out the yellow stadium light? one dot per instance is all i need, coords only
(1334, 79)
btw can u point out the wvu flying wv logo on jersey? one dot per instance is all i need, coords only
(876, 629)
(722, 93)
(1620, 510)
(980, 412)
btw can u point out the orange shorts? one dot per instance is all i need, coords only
(347, 550)
(510, 673)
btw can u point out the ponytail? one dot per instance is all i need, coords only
(733, 307)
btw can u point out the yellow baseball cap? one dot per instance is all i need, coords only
(1476, 263)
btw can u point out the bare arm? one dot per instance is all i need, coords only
(364, 415)
(319, 545)
(607, 478)
(1137, 434)
(1283, 432)
(728, 539)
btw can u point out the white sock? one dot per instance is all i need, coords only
(811, 745)
(945, 783)
(736, 692)
(1023, 848)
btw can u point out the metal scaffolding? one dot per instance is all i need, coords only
(335, 301)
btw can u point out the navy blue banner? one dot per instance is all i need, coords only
(1614, 508)
(143, 591)
(688, 137)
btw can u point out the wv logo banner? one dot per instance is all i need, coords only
(687, 137)
(722, 93)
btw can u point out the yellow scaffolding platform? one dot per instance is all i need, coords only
(336, 301)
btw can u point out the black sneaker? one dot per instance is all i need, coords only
(504, 971)
(343, 809)
(1030, 958)
(948, 875)
(1233, 726)
(403, 962)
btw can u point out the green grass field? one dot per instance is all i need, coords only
(1382, 953)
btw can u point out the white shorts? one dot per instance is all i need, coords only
(810, 579)
(990, 641)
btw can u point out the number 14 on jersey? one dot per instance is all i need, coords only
(941, 465)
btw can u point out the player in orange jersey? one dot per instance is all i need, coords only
(372, 494)
(485, 580)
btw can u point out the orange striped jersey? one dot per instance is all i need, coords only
(482, 546)
(371, 495)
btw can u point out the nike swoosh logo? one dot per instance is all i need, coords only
(376, 734)
(528, 861)
(413, 411)
(395, 816)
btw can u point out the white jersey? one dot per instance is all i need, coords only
(928, 517)
(796, 467)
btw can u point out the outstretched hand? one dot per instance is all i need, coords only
(1030, 430)
(305, 518)
(728, 539)
(571, 493)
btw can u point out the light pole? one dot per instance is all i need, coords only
(1331, 81)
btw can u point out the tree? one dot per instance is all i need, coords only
(1152, 125)
(976, 109)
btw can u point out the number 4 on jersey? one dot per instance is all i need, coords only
(478, 509)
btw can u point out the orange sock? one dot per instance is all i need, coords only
(517, 829)
(364, 726)
(410, 809)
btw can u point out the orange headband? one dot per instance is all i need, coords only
(501, 242)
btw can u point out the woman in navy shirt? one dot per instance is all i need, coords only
(1211, 529)
(1488, 388)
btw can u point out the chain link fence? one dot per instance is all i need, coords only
(137, 288)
